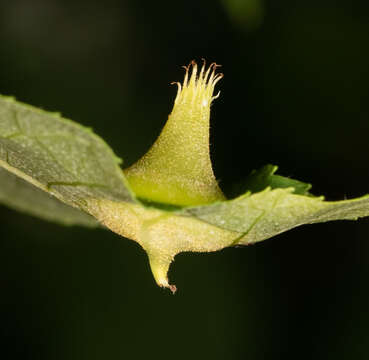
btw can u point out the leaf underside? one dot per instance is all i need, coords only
(20, 195)
(262, 215)
(277, 205)
(51, 167)
(58, 156)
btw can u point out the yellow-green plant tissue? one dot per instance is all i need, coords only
(169, 201)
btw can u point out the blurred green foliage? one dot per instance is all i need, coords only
(295, 93)
(246, 14)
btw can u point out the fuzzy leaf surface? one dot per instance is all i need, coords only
(20, 195)
(262, 215)
(58, 170)
(58, 156)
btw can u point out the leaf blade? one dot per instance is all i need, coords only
(58, 156)
(17, 194)
(265, 214)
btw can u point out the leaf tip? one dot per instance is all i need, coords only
(159, 267)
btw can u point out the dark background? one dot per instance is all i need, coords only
(295, 94)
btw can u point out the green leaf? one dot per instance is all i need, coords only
(265, 177)
(262, 215)
(247, 219)
(57, 156)
(61, 171)
(20, 195)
